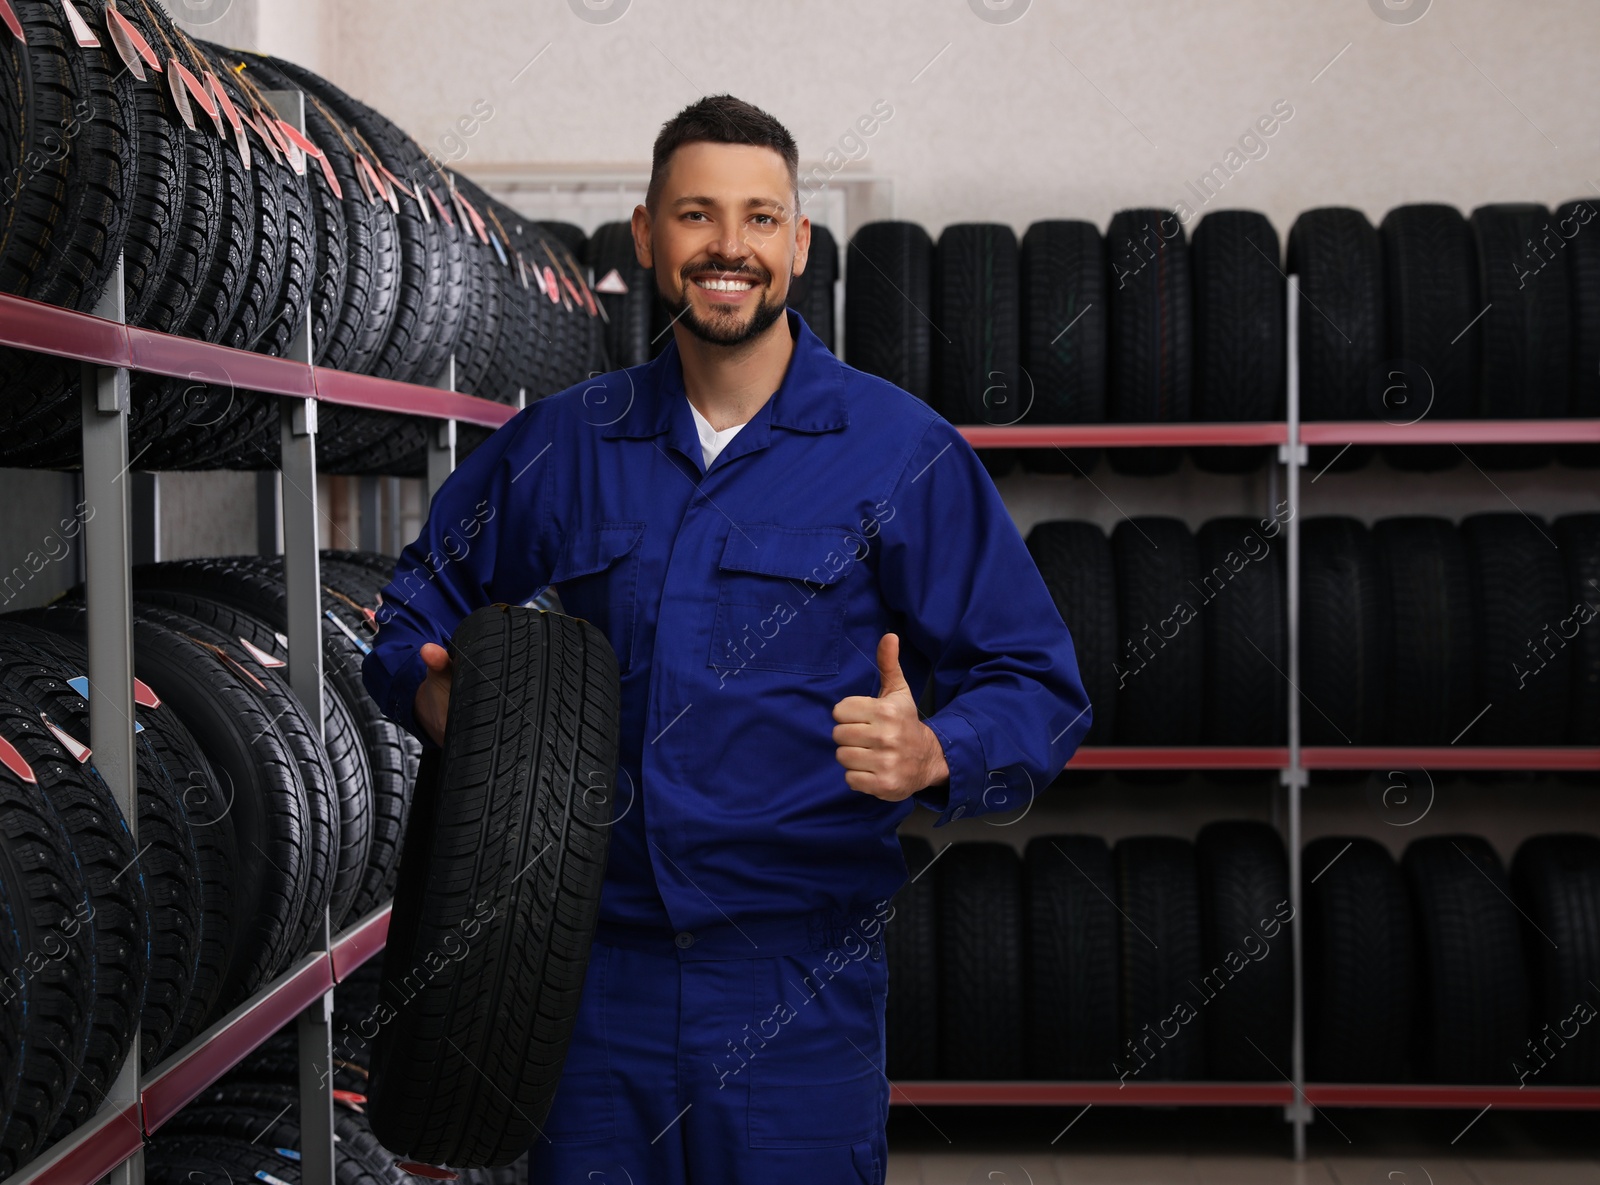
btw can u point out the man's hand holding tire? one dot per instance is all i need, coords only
(432, 704)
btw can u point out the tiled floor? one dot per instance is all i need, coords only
(957, 1169)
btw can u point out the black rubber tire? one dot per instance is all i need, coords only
(981, 932)
(1524, 340)
(214, 1160)
(14, 1016)
(1159, 956)
(1519, 595)
(103, 846)
(1160, 676)
(1429, 294)
(1579, 538)
(1151, 331)
(1473, 998)
(1430, 635)
(1360, 962)
(569, 235)
(1239, 367)
(75, 182)
(1062, 286)
(1241, 600)
(1337, 255)
(1075, 560)
(628, 328)
(255, 585)
(911, 944)
(811, 294)
(506, 1009)
(364, 307)
(1343, 678)
(341, 808)
(427, 323)
(1072, 957)
(977, 375)
(53, 913)
(167, 859)
(154, 221)
(70, 134)
(1583, 276)
(1555, 880)
(1242, 872)
(888, 306)
(257, 770)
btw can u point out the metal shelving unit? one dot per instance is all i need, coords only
(110, 349)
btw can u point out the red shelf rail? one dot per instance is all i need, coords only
(1240, 1094)
(1349, 757)
(112, 1136)
(32, 325)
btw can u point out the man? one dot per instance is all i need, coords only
(779, 548)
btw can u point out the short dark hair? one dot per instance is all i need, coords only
(722, 119)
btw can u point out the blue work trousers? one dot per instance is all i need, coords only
(722, 1071)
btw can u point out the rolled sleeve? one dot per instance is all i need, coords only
(489, 537)
(1010, 708)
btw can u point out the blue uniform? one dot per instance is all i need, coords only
(743, 602)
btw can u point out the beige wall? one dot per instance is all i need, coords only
(1074, 110)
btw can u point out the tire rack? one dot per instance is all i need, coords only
(112, 1141)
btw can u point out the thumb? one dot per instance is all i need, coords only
(435, 656)
(894, 679)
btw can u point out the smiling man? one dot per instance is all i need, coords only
(780, 549)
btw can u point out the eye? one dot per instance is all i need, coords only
(695, 214)
(766, 219)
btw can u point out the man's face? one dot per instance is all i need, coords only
(724, 240)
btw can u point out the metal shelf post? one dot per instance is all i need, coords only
(302, 580)
(442, 436)
(1293, 776)
(108, 585)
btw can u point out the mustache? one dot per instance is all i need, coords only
(761, 275)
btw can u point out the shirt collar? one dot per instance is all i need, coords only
(811, 397)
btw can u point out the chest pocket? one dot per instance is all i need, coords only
(781, 599)
(597, 577)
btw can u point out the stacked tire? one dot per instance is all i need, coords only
(237, 229)
(1160, 958)
(251, 827)
(1148, 324)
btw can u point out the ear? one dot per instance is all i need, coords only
(641, 236)
(802, 244)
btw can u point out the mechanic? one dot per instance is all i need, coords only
(779, 548)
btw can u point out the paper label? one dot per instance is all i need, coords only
(180, 97)
(70, 743)
(329, 176)
(221, 93)
(440, 206)
(118, 27)
(612, 284)
(81, 32)
(494, 239)
(551, 288)
(9, 15)
(133, 34)
(9, 757)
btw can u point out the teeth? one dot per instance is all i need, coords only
(726, 285)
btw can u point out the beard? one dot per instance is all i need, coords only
(724, 330)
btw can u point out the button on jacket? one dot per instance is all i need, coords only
(743, 602)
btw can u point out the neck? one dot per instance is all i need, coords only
(729, 384)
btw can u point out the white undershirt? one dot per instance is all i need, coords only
(712, 442)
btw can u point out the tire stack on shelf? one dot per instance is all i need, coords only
(232, 225)
(250, 827)
(1408, 629)
(1142, 325)
(1157, 958)
(231, 1122)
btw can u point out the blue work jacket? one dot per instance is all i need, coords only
(743, 602)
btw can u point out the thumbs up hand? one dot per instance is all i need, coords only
(885, 748)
